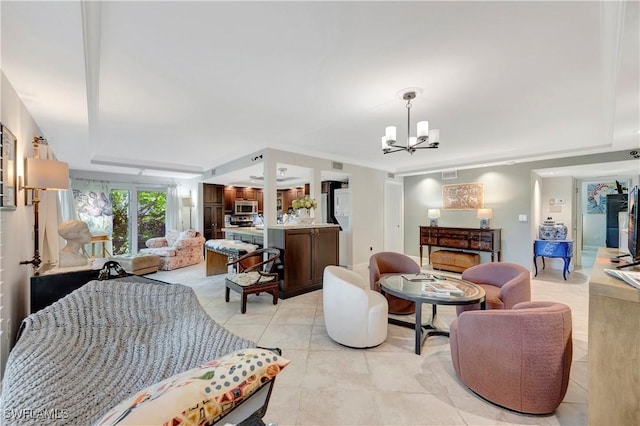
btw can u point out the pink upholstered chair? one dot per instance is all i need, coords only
(505, 284)
(518, 358)
(384, 263)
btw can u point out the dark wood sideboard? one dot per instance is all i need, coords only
(471, 239)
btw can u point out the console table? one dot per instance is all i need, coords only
(553, 248)
(614, 346)
(474, 239)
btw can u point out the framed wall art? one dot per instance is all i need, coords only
(8, 175)
(597, 196)
(463, 196)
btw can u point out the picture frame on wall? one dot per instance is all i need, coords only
(463, 196)
(8, 170)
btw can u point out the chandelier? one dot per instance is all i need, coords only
(430, 138)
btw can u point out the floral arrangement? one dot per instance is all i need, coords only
(305, 202)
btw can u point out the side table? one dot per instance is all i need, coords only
(553, 248)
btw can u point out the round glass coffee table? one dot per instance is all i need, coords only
(410, 287)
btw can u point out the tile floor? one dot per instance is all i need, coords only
(329, 384)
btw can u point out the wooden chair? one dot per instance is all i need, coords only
(255, 274)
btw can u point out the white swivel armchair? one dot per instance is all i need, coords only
(354, 315)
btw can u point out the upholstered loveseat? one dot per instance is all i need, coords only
(177, 249)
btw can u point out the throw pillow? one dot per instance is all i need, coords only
(188, 233)
(172, 236)
(201, 395)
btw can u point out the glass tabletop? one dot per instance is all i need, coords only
(412, 287)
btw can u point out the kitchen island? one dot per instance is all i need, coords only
(305, 251)
(247, 234)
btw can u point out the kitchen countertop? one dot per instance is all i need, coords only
(299, 226)
(251, 230)
(244, 230)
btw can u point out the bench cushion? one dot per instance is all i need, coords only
(138, 263)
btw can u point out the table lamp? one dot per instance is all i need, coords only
(433, 215)
(484, 215)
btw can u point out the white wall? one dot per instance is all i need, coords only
(367, 189)
(16, 233)
(509, 191)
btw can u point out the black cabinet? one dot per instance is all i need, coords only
(46, 289)
(616, 203)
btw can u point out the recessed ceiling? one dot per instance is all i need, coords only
(194, 85)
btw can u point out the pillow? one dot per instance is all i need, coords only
(201, 395)
(188, 233)
(172, 236)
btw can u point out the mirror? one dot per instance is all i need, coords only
(8, 175)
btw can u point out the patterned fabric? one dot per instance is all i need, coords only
(248, 278)
(104, 342)
(160, 251)
(188, 233)
(200, 396)
(157, 242)
(171, 237)
(183, 252)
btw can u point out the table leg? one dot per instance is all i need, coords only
(418, 327)
(421, 255)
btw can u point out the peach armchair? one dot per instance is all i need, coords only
(518, 358)
(505, 284)
(387, 262)
(177, 249)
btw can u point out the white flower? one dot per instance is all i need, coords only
(305, 202)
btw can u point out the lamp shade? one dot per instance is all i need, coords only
(485, 214)
(46, 174)
(187, 202)
(433, 213)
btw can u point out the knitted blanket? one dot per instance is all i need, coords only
(95, 347)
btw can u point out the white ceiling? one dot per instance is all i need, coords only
(188, 86)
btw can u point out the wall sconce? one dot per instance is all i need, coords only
(42, 175)
(484, 215)
(433, 215)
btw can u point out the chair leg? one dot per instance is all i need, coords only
(243, 309)
(275, 296)
(226, 294)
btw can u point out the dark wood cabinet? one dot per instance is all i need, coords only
(213, 193)
(213, 210)
(305, 254)
(229, 197)
(260, 199)
(472, 239)
(213, 221)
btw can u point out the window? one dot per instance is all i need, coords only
(147, 222)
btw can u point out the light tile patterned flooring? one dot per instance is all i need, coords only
(329, 384)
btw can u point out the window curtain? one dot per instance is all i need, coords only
(93, 205)
(173, 217)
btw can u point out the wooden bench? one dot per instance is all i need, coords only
(453, 261)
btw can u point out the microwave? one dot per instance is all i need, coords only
(245, 207)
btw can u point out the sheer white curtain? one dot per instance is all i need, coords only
(173, 215)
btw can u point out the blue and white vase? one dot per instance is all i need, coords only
(561, 231)
(547, 231)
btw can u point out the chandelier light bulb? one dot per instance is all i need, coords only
(423, 129)
(390, 133)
